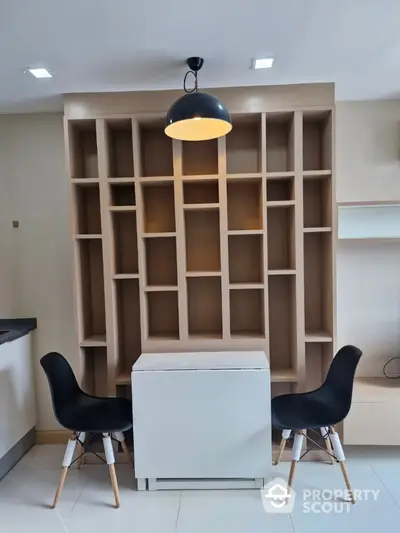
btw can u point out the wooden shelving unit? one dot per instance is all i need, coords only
(216, 245)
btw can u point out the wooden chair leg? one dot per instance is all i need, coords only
(68, 455)
(81, 449)
(285, 437)
(110, 459)
(121, 439)
(296, 452)
(337, 446)
(127, 453)
(60, 486)
(328, 444)
(114, 484)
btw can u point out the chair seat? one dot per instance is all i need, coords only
(303, 411)
(97, 415)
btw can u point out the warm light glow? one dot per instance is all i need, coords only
(40, 72)
(194, 129)
(196, 118)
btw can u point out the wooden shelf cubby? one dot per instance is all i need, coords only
(317, 201)
(161, 264)
(119, 148)
(122, 194)
(88, 217)
(155, 150)
(247, 313)
(280, 189)
(280, 142)
(125, 242)
(244, 145)
(318, 285)
(162, 315)
(245, 253)
(83, 149)
(282, 322)
(158, 207)
(200, 158)
(204, 307)
(128, 320)
(317, 141)
(91, 278)
(281, 238)
(215, 245)
(200, 192)
(245, 204)
(95, 371)
(202, 231)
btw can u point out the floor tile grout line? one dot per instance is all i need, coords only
(291, 521)
(386, 488)
(179, 510)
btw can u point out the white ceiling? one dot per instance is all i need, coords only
(119, 45)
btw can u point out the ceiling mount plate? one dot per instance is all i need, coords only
(195, 63)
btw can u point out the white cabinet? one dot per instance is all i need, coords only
(373, 417)
(202, 419)
(17, 396)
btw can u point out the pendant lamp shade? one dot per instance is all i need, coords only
(197, 116)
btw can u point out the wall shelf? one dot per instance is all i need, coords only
(245, 256)
(280, 142)
(125, 242)
(244, 205)
(83, 149)
(369, 221)
(317, 196)
(203, 192)
(247, 313)
(162, 315)
(202, 233)
(282, 322)
(281, 238)
(244, 145)
(217, 245)
(123, 194)
(87, 201)
(200, 158)
(204, 307)
(119, 148)
(318, 336)
(93, 341)
(317, 141)
(159, 208)
(161, 264)
(155, 150)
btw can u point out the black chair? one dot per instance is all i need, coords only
(85, 415)
(319, 410)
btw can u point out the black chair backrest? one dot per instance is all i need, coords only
(63, 385)
(340, 378)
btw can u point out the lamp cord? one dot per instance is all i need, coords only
(195, 82)
(384, 369)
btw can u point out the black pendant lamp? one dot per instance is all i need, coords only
(197, 116)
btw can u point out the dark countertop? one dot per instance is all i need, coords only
(15, 328)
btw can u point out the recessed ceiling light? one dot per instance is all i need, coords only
(262, 62)
(40, 72)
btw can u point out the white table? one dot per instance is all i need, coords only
(202, 420)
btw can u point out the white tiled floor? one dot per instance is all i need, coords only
(86, 503)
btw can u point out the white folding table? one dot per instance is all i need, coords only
(202, 420)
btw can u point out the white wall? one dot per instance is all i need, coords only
(368, 274)
(38, 269)
(6, 277)
(41, 261)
